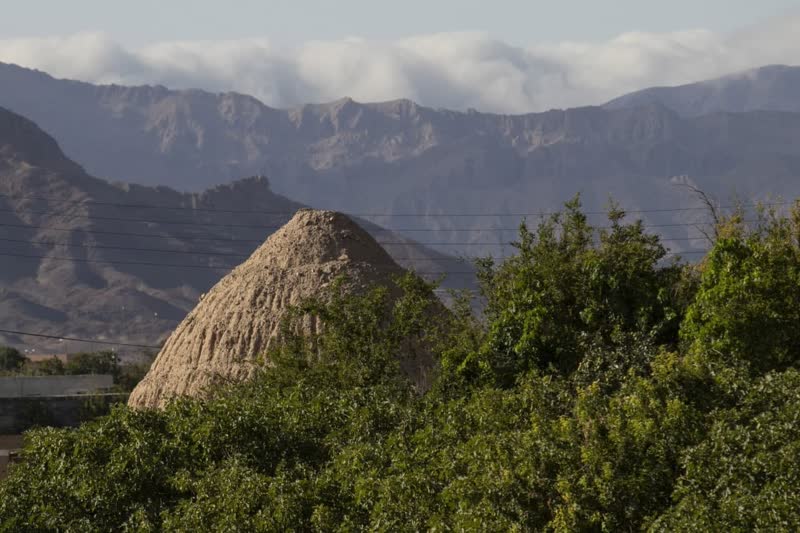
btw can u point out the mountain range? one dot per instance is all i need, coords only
(399, 157)
(95, 251)
(85, 258)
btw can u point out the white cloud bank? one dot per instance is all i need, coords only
(453, 70)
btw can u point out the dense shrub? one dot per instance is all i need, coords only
(571, 288)
(606, 389)
(747, 309)
(10, 359)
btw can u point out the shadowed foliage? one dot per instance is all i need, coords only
(605, 389)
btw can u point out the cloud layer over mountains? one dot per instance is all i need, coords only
(453, 70)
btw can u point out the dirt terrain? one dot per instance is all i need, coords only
(223, 338)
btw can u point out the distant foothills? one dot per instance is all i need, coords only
(84, 258)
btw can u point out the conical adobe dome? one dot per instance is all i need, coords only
(222, 338)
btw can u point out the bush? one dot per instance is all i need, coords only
(746, 311)
(92, 363)
(564, 292)
(590, 399)
(48, 367)
(10, 359)
(744, 476)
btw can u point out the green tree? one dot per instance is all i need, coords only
(129, 375)
(746, 311)
(588, 400)
(10, 359)
(565, 292)
(83, 363)
(320, 396)
(744, 476)
(630, 443)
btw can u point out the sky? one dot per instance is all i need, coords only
(521, 22)
(494, 55)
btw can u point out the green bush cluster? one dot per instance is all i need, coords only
(11, 360)
(605, 389)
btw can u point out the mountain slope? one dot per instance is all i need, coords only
(82, 257)
(770, 88)
(389, 161)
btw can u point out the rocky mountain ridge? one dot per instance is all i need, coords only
(82, 257)
(421, 170)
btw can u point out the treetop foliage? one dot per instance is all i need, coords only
(10, 359)
(606, 387)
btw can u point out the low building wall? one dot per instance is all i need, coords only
(38, 386)
(8, 444)
(4, 459)
(21, 414)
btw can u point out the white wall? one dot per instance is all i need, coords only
(23, 387)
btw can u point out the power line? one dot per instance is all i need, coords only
(133, 263)
(227, 254)
(129, 234)
(252, 241)
(145, 221)
(228, 268)
(291, 213)
(173, 265)
(74, 339)
(125, 248)
(546, 213)
(230, 226)
(394, 230)
(500, 243)
(146, 206)
(186, 252)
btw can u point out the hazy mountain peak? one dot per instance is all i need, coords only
(768, 88)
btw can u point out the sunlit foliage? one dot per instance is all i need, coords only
(606, 388)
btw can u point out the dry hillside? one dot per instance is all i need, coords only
(83, 257)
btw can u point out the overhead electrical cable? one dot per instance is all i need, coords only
(399, 214)
(76, 339)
